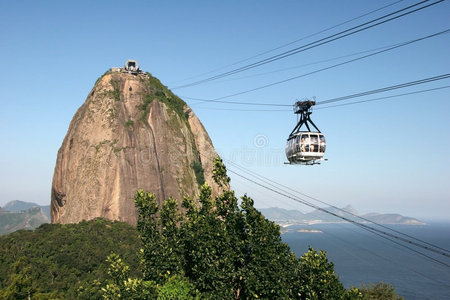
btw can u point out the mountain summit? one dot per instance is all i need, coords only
(131, 133)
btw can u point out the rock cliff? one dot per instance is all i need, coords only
(131, 133)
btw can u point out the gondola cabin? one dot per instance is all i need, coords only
(305, 147)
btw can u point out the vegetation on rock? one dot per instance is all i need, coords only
(199, 172)
(165, 95)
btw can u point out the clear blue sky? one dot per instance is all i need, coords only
(384, 156)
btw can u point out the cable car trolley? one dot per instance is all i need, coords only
(305, 147)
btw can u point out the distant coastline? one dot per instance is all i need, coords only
(286, 218)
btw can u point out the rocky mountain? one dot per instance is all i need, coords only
(284, 216)
(18, 205)
(131, 133)
(30, 218)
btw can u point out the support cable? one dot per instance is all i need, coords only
(386, 97)
(274, 184)
(394, 87)
(326, 68)
(293, 42)
(363, 226)
(331, 67)
(330, 106)
(344, 241)
(317, 43)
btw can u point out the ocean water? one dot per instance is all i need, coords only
(362, 257)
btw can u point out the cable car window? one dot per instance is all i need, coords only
(314, 143)
(323, 144)
(305, 142)
(288, 148)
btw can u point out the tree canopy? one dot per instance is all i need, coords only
(61, 261)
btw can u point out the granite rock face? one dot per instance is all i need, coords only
(131, 133)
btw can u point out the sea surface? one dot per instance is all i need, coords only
(363, 257)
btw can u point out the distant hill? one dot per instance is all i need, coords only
(276, 214)
(16, 215)
(18, 205)
(26, 219)
(392, 219)
(284, 216)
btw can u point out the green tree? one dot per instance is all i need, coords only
(121, 286)
(154, 267)
(225, 250)
(177, 288)
(379, 291)
(316, 278)
(208, 249)
(269, 264)
(20, 287)
(220, 173)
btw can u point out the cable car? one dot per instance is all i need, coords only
(305, 147)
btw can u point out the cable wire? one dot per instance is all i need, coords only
(389, 88)
(319, 42)
(301, 66)
(274, 184)
(331, 67)
(331, 106)
(363, 226)
(386, 97)
(342, 98)
(293, 42)
(340, 239)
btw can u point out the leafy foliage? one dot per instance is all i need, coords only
(316, 277)
(64, 260)
(177, 288)
(199, 172)
(379, 291)
(227, 251)
(120, 286)
(129, 124)
(220, 173)
(115, 93)
(144, 107)
(162, 93)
